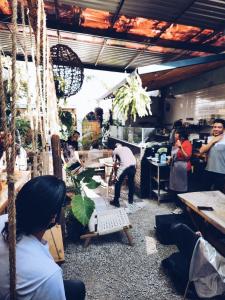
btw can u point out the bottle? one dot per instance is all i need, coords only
(163, 158)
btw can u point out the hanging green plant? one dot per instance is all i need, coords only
(131, 99)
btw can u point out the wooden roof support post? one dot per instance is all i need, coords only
(57, 170)
(56, 155)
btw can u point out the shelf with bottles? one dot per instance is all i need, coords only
(159, 179)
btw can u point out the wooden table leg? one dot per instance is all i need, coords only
(87, 237)
(130, 240)
(87, 242)
(191, 214)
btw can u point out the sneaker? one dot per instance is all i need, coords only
(113, 203)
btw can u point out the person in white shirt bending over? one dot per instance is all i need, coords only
(38, 206)
(127, 168)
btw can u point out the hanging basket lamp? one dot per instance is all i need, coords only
(68, 71)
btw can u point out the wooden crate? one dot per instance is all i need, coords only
(54, 238)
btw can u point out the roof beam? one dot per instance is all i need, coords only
(20, 57)
(115, 17)
(52, 24)
(101, 51)
(182, 63)
(136, 38)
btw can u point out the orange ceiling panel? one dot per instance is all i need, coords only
(139, 26)
(220, 41)
(5, 7)
(214, 38)
(202, 35)
(95, 18)
(179, 32)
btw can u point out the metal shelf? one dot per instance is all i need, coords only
(162, 192)
(160, 180)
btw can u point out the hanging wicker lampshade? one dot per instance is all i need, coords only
(67, 69)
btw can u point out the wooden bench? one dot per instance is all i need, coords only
(105, 219)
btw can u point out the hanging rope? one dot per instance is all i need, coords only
(10, 156)
(29, 100)
(45, 160)
(34, 113)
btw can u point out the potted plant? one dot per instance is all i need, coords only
(82, 207)
(131, 99)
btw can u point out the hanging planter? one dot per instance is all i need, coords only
(67, 69)
(131, 99)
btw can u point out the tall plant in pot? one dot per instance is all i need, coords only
(82, 207)
(131, 99)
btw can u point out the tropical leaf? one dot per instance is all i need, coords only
(92, 184)
(82, 208)
(86, 175)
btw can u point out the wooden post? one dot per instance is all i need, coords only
(56, 156)
(57, 171)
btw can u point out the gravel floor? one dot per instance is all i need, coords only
(111, 269)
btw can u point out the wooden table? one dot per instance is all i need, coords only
(21, 178)
(215, 199)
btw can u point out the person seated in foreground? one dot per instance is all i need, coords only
(38, 206)
(206, 266)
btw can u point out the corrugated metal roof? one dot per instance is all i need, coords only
(205, 13)
(122, 35)
(154, 9)
(116, 56)
(146, 58)
(108, 5)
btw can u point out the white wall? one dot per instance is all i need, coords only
(203, 104)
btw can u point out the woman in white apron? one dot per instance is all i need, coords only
(180, 163)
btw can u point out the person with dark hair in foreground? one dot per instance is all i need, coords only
(38, 206)
(215, 149)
